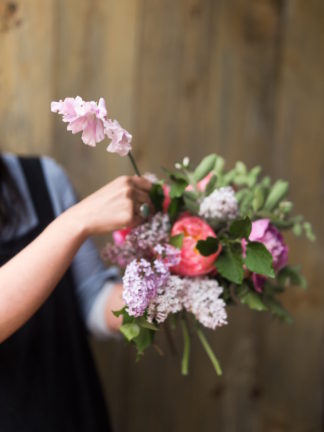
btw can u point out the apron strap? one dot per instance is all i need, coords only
(36, 182)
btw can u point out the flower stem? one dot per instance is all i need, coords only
(186, 348)
(131, 157)
(209, 351)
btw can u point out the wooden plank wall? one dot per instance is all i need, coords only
(244, 78)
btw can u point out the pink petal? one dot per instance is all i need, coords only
(259, 227)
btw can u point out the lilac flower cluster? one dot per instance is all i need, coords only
(220, 206)
(200, 296)
(202, 299)
(141, 281)
(170, 255)
(140, 242)
(168, 299)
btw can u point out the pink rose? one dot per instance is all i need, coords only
(119, 236)
(192, 263)
(201, 186)
(264, 232)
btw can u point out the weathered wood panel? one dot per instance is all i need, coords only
(187, 77)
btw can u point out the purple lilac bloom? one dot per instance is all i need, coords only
(141, 282)
(169, 299)
(139, 243)
(170, 255)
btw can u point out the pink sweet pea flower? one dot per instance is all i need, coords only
(120, 138)
(192, 263)
(201, 186)
(86, 117)
(167, 199)
(91, 119)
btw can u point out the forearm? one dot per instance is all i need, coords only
(29, 278)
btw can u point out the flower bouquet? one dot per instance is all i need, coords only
(215, 241)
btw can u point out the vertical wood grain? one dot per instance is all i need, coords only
(243, 78)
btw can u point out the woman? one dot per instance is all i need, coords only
(52, 284)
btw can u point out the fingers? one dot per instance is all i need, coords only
(141, 183)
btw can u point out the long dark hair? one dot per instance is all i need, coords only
(10, 199)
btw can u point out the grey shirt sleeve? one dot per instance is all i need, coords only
(92, 279)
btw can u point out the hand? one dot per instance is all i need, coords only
(116, 205)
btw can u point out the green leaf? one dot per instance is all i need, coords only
(277, 309)
(230, 263)
(175, 207)
(157, 196)
(130, 331)
(309, 231)
(190, 195)
(253, 176)
(277, 193)
(143, 340)
(252, 300)
(178, 188)
(241, 228)
(119, 312)
(219, 165)
(259, 259)
(240, 167)
(297, 229)
(205, 166)
(211, 185)
(258, 199)
(292, 276)
(208, 247)
(176, 175)
(191, 205)
(177, 240)
(145, 324)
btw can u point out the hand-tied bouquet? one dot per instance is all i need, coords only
(216, 240)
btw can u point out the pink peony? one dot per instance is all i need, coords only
(192, 263)
(201, 186)
(119, 236)
(264, 232)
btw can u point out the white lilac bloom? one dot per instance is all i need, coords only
(141, 281)
(202, 299)
(168, 299)
(220, 206)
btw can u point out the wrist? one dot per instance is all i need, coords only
(74, 224)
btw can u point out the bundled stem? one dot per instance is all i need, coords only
(209, 350)
(186, 348)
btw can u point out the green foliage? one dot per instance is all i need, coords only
(258, 259)
(177, 188)
(208, 246)
(157, 196)
(240, 228)
(251, 298)
(177, 240)
(205, 167)
(230, 263)
(137, 330)
(277, 193)
(291, 275)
